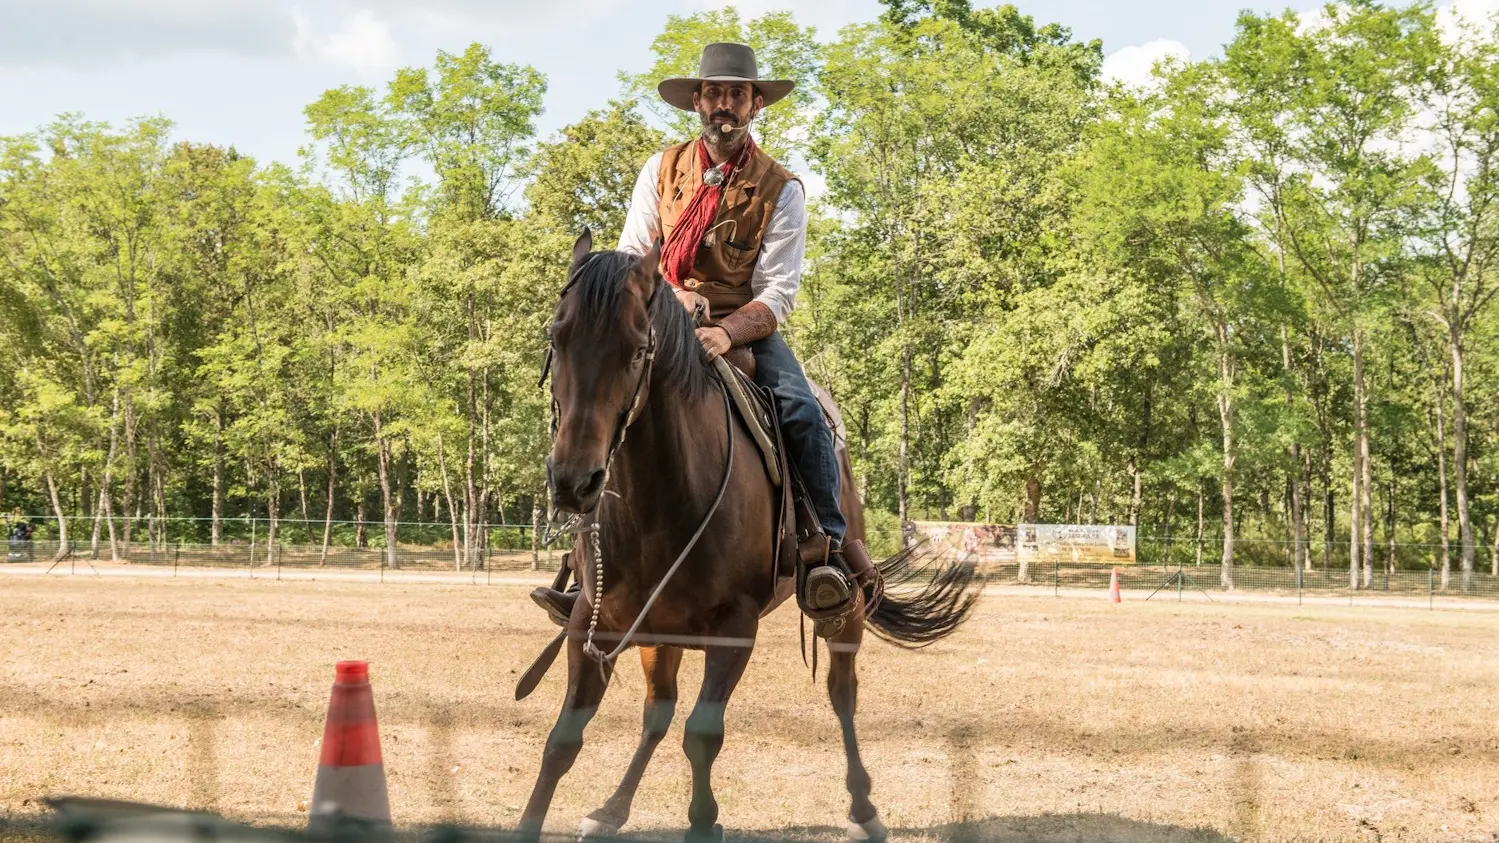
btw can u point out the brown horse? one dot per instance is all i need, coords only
(625, 358)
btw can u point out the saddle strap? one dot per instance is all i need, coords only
(754, 418)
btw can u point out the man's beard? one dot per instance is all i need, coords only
(724, 142)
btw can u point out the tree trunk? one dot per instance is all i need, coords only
(1367, 485)
(386, 499)
(1298, 536)
(1306, 508)
(93, 543)
(161, 505)
(302, 498)
(485, 475)
(398, 475)
(273, 511)
(1226, 416)
(471, 479)
(471, 497)
(447, 487)
(1460, 458)
(62, 520)
(903, 482)
(535, 535)
(1032, 513)
(1446, 524)
(156, 493)
(361, 528)
(1329, 515)
(1134, 498)
(1170, 518)
(106, 508)
(332, 490)
(1356, 497)
(217, 534)
(1202, 494)
(1390, 521)
(1494, 554)
(128, 501)
(1135, 501)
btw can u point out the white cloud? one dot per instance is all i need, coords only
(1133, 65)
(1464, 18)
(815, 185)
(1458, 20)
(364, 43)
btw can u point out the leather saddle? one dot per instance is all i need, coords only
(756, 408)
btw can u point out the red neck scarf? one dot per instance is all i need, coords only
(680, 251)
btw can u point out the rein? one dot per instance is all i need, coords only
(592, 651)
(554, 530)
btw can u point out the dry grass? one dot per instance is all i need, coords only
(1043, 720)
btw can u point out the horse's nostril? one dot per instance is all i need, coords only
(591, 486)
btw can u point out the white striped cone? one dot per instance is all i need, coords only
(350, 784)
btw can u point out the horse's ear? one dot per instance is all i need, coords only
(581, 248)
(647, 272)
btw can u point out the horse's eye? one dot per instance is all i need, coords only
(639, 355)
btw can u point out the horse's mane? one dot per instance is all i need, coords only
(680, 360)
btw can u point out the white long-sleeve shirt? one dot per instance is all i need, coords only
(778, 269)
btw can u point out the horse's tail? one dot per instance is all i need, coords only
(922, 605)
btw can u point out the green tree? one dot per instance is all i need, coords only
(1322, 106)
(584, 177)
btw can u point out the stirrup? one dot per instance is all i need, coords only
(558, 604)
(823, 591)
(826, 589)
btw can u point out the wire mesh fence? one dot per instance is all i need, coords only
(1160, 563)
(1275, 567)
(253, 546)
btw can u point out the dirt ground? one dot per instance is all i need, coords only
(1043, 720)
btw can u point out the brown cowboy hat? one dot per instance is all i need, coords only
(724, 63)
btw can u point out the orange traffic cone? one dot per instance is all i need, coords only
(1114, 587)
(350, 785)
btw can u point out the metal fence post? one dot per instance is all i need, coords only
(1431, 600)
(176, 557)
(1298, 584)
(1056, 578)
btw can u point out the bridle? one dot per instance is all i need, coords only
(555, 529)
(573, 524)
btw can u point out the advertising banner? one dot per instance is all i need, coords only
(1108, 544)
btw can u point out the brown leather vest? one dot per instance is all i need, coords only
(726, 259)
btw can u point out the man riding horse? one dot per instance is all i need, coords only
(734, 226)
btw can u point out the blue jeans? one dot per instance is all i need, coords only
(809, 442)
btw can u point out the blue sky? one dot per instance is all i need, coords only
(240, 71)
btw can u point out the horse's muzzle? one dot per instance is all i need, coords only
(575, 490)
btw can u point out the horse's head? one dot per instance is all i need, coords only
(603, 344)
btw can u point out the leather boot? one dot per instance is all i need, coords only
(558, 603)
(824, 594)
(865, 575)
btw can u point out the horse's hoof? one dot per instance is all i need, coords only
(592, 829)
(869, 831)
(714, 836)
